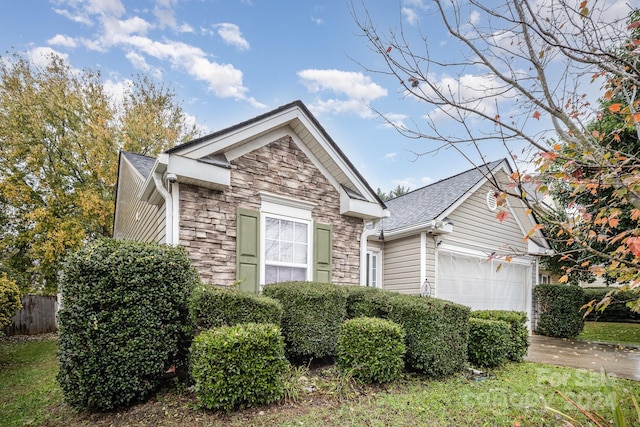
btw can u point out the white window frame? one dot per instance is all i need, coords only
(288, 209)
(377, 253)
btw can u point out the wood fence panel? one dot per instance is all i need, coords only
(37, 316)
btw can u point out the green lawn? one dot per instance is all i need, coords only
(518, 394)
(27, 381)
(619, 333)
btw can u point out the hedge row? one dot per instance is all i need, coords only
(372, 349)
(238, 365)
(518, 332)
(124, 323)
(559, 310)
(489, 342)
(215, 306)
(313, 313)
(617, 310)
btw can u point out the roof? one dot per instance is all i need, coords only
(143, 164)
(295, 104)
(428, 203)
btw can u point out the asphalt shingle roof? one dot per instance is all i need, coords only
(427, 203)
(143, 164)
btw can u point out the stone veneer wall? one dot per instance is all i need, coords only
(208, 217)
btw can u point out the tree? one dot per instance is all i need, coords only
(59, 141)
(396, 192)
(522, 80)
(9, 301)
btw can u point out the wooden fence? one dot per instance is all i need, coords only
(37, 316)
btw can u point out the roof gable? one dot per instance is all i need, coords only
(435, 200)
(142, 164)
(205, 161)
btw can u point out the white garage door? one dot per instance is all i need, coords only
(482, 284)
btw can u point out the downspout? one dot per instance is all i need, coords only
(369, 229)
(168, 207)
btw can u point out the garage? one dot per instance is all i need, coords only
(484, 284)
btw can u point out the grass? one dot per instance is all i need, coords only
(619, 333)
(27, 381)
(517, 394)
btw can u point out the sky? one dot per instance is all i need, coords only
(231, 60)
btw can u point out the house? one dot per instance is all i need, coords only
(275, 199)
(269, 199)
(444, 240)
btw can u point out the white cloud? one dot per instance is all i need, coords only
(390, 157)
(474, 17)
(231, 35)
(317, 21)
(357, 88)
(395, 120)
(61, 40)
(41, 56)
(410, 15)
(412, 183)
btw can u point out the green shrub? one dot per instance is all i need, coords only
(517, 320)
(238, 365)
(373, 349)
(436, 333)
(9, 301)
(312, 315)
(559, 310)
(489, 342)
(617, 310)
(214, 306)
(365, 301)
(124, 321)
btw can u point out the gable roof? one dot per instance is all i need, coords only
(143, 164)
(429, 203)
(330, 163)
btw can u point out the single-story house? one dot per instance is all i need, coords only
(445, 240)
(269, 199)
(274, 199)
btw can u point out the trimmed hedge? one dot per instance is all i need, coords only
(365, 301)
(489, 342)
(436, 333)
(617, 310)
(238, 365)
(313, 313)
(124, 321)
(373, 349)
(559, 312)
(519, 334)
(215, 306)
(9, 301)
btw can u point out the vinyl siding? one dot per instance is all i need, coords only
(401, 272)
(135, 219)
(475, 226)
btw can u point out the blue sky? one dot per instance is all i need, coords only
(231, 60)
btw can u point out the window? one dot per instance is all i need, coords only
(286, 250)
(373, 268)
(544, 278)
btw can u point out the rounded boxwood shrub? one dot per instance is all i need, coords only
(238, 365)
(436, 333)
(489, 342)
(617, 310)
(124, 322)
(517, 320)
(373, 349)
(312, 315)
(365, 301)
(559, 313)
(214, 306)
(9, 301)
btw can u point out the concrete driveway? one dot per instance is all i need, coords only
(618, 361)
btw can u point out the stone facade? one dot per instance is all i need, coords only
(208, 217)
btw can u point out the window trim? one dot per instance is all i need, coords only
(378, 264)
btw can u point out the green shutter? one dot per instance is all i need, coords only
(248, 250)
(322, 253)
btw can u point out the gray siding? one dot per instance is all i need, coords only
(431, 262)
(475, 226)
(135, 219)
(401, 271)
